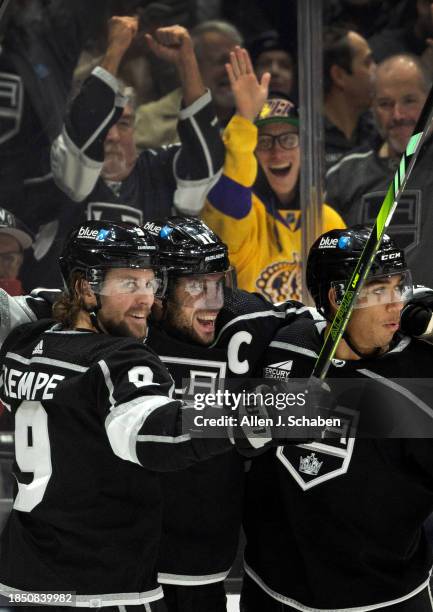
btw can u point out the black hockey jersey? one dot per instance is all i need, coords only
(337, 524)
(93, 426)
(202, 505)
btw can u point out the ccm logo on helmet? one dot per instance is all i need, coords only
(388, 256)
(94, 234)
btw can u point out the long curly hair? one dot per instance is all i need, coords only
(67, 308)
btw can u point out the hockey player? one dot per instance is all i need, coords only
(337, 525)
(207, 332)
(94, 423)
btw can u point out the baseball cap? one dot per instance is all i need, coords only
(9, 224)
(278, 110)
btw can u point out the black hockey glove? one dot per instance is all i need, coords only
(416, 316)
(281, 413)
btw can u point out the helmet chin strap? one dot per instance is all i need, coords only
(93, 314)
(350, 344)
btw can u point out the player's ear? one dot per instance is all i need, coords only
(332, 298)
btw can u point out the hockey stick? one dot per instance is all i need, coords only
(366, 259)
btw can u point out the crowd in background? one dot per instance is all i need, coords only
(67, 154)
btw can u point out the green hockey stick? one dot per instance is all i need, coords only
(366, 259)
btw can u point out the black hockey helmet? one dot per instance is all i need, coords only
(97, 246)
(333, 258)
(187, 247)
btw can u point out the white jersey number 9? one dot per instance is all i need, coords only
(33, 453)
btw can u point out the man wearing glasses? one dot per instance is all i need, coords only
(255, 206)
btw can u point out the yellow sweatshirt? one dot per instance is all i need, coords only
(264, 243)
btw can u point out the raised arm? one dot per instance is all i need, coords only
(198, 164)
(77, 154)
(250, 94)
(229, 210)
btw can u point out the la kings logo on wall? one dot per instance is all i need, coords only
(405, 226)
(11, 105)
(318, 462)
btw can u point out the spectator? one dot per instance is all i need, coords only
(94, 159)
(145, 72)
(349, 68)
(213, 40)
(357, 185)
(269, 54)
(255, 206)
(414, 36)
(15, 238)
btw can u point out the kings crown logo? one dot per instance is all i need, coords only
(310, 465)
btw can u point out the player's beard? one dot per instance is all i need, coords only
(181, 326)
(120, 328)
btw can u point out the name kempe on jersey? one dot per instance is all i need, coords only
(93, 415)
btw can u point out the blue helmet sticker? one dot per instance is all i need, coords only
(165, 231)
(102, 235)
(344, 242)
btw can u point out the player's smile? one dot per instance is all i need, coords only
(204, 323)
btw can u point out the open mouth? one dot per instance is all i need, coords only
(207, 322)
(281, 170)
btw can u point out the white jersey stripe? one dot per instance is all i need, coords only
(125, 421)
(46, 361)
(184, 580)
(303, 608)
(292, 347)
